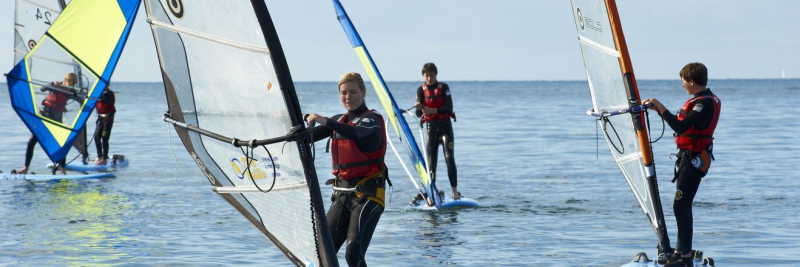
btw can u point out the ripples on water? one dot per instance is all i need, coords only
(525, 150)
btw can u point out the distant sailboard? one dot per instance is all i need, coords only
(232, 101)
(87, 39)
(403, 132)
(617, 106)
(116, 162)
(447, 201)
(641, 260)
(53, 177)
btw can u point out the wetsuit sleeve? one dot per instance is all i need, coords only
(448, 101)
(322, 132)
(421, 100)
(367, 133)
(699, 117)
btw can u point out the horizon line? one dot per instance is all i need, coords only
(584, 80)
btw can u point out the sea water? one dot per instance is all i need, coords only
(550, 192)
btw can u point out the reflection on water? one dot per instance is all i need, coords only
(72, 219)
(438, 235)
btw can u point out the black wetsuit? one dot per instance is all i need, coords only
(351, 218)
(50, 113)
(687, 177)
(105, 122)
(440, 132)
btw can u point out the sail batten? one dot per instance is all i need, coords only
(208, 37)
(598, 46)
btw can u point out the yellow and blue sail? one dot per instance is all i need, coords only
(88, 33)
(393, 112)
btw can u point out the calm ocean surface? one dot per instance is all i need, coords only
(525, 150)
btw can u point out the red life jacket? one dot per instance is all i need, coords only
(693, 139)
(434, 98)
(56, 100)
(107, 106)
(349, 161)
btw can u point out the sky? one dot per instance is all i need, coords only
(515, 40)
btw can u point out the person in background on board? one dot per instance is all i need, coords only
(53, 107)
(358, 148)
(105, 120)
(435, 106)
(694, 128)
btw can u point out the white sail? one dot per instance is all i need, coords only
(613, 87)
(226, 77)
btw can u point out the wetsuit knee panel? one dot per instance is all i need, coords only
(354, 254)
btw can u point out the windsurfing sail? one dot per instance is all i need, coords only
(86, 39)
(613, 88)
(31, 20)
(233, 103)
(393, 112)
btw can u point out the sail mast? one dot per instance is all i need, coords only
(639, 124)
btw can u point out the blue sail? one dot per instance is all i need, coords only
(89, 34)
(393, 112)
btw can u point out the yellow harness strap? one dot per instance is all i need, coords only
(380, 193)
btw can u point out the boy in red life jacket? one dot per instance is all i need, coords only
(435, 106)
(105, 120)
(694, 129)
(357, 151)
(53, 107)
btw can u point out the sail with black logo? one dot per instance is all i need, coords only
(232, 101)
(616, 104)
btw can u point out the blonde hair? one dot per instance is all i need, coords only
(353, 77)
(71, 79)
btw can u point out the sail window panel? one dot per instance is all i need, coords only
(290, 220)
(234, 89)
(176, 69)
(49, 63)
(634, 173)
(605, 79)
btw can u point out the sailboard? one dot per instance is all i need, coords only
(86, 39)
(612, 85)
(447, 201)
(116, 162)
(393, 112)
(232, 100)
(50, 177)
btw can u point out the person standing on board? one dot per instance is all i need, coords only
(435, 106)
(105, 120)
(358, 149)
(53, 107)
(694, 130)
